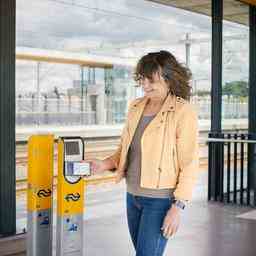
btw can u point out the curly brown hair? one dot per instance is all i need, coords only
(176, 75)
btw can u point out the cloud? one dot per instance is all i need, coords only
(43, 22)
(127, 28)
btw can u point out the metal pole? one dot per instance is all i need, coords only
(216, 90)
(252, 99)
(216, 95)
(38, 93)
(7, 118)
(252, 71)
(87, 120)
(82, 93)
(188, 46)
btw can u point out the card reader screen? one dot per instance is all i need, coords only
(72, 148)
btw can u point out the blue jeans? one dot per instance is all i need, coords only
(145, 217)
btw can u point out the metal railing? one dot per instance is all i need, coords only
(232, 172)
(70, 111)
(65, 112)
(231, 108)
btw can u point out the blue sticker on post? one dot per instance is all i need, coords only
(73, 227)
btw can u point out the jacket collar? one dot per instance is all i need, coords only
(168, 105)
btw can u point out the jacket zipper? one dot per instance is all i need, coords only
(161, 156)
(159, 173)
(174, 161)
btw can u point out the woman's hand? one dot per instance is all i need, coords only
(171, 222)
(96, 166)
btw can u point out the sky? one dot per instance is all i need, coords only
(127, 29)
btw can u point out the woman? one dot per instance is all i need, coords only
(158, 153)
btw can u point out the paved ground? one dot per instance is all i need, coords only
(207, 229)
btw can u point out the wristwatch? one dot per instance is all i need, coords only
(179, 203)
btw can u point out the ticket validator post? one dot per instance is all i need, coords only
(70, 196)
(40, 184)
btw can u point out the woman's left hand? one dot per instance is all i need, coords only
(171, 222)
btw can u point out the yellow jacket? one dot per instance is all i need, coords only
(169, 146)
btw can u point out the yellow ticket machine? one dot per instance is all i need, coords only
(70, 199)
(39, 198)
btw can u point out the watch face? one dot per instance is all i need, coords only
(179, 204)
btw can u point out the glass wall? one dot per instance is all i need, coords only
(235, 63)
(63, 94)
(117, 33)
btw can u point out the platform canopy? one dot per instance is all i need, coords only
(234, 11)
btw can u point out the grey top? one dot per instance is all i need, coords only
(134, 165)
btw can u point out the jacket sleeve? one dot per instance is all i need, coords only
(187, 152)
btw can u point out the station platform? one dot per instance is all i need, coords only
(204, 225)
(207, 229)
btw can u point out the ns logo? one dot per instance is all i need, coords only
(72, 197)
(44, 193)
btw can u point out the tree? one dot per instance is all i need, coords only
(236, 89)
(202, 93)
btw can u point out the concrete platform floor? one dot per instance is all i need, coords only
(207, 229)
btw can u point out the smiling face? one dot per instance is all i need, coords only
(149, 75)
(159, 73)
(154, 87)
